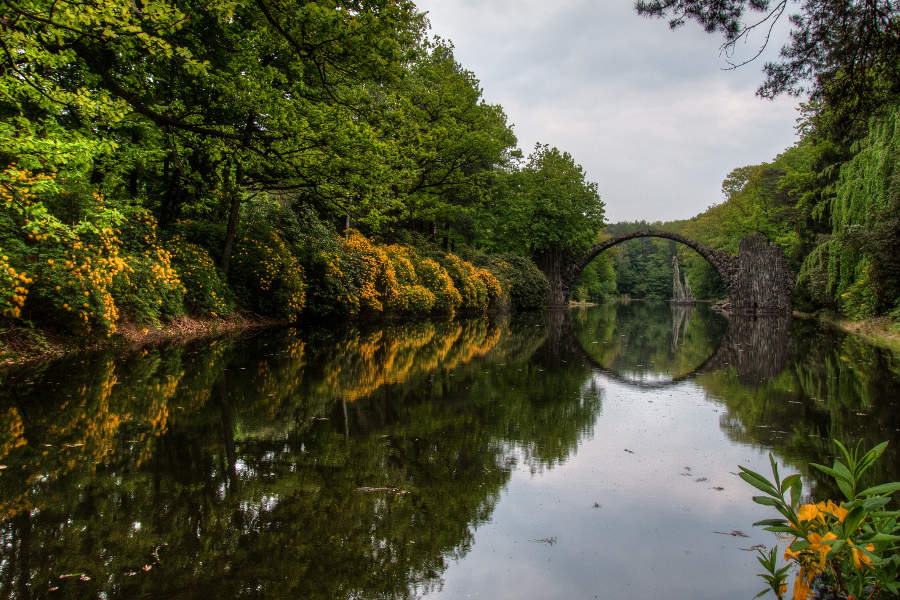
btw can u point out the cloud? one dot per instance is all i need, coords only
(649, 112)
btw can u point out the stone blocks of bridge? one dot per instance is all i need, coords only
(761, 281)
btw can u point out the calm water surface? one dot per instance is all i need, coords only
(588, 455)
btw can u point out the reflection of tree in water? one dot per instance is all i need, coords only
(681, 320)
(231, 469)
(829, 386)
(790, 387)
(648, 343)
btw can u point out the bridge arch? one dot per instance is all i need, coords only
(758, 278)
(720, 261)
(561, 282)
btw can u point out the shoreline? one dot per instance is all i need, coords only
(882, 332)
(20, 346)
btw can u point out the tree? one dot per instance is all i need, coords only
(452, 142)
(548, 211)
(211, 102)
(845, 52)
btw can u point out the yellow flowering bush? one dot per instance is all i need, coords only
(850, 549)
(150, 287)
(13, 288)
(491, 284)
(87, 270)
(267, 276)
(361, 277)
(78, 278)
(377, 287)
(204, 291)
(73, 265)
(466, 279)
(437, 280)
(414, 297)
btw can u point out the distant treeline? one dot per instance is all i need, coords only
(831, 202)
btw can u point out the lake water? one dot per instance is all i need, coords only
(589, 454)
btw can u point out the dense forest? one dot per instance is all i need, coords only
(289, 159)
(293, 159)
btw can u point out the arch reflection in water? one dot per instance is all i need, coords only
(646, 344)
(632, 345)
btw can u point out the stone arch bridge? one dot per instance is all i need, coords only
(758, 278)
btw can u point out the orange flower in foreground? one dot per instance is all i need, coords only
(829, 507)
(817, 545)
(859, 557)
(802, 588)
(809, 512)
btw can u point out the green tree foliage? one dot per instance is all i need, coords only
(828, 201)
(856, 267)
(547, 210)
(843, 53)
(206, 116)
(453, 143)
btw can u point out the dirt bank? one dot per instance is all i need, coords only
(20, 345)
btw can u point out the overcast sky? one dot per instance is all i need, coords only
(648, 112)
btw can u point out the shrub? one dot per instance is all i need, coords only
(436, 280)
(417, 299)
(13, 288)
(150, 287)
(374, 274)
(491, 284)
(205, 292)
(414, 297)
(266, 276)
(86, 270)
(471, 287)
(527, 285)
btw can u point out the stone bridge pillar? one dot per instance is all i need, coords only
(761, 282)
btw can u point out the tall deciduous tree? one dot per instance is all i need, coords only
(451, 143)
(548, 210)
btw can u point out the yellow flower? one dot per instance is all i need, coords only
(790, 554)
(838, 512)
(859, 558)
(809, 512)
(816, 545)
(801, 585)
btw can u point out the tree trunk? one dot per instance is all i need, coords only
(556, 270)
(234, 214)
